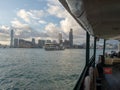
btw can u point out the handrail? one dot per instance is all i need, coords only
(80, 80)
(79, 83)
(91, 61)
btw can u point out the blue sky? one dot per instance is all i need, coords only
(9, 8)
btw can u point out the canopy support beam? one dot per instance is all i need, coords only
(95, 40)
(104, 47)
(87, 47)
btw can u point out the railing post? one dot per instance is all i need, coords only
(95, 39)
(103, 57)
(104, 47)
(87, 47)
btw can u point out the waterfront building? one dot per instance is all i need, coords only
(41, 43)
(21, 43)
(24, 44)
(66, 43)
(16, 43)
(71, 38)
(12, 37)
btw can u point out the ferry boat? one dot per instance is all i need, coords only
(53, 46)
(100, 19)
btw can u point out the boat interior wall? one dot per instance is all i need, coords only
(104, 17)
(98, 17)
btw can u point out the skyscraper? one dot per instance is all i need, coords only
(33, 42)
(60, 38)
(16, 43)
(71, 37)
(12, 36)
(41, 43)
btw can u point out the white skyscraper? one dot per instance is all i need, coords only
(60, 38)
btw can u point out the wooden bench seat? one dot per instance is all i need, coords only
(111, 61)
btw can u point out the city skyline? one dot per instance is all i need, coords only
(21, 43)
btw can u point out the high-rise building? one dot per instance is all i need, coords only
(66, 43)
(21, 43)
(33, 42)
(71, 38)
(25, 44)
(16, 43)
(12, 37)
(41, 43)
(60, 38)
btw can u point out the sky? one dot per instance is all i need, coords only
(39, 19)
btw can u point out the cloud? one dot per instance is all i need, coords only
(54, 2)
(24, 15)
(20, 29)
(17, 24)
(36, 14)
(42, 22)
(4, 34)
(23, 30)
(56, 11)
(52, 30)
(30, 15)
(4, 29)
(4, 38)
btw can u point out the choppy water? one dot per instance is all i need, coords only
(37, 69)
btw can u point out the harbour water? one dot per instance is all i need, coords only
(37, 69)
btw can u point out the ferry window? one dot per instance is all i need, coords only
(91, 46)
(41, 46)
(111, 45)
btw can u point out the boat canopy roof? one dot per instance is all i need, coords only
(101, 18)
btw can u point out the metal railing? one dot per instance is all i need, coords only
(79, 84)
